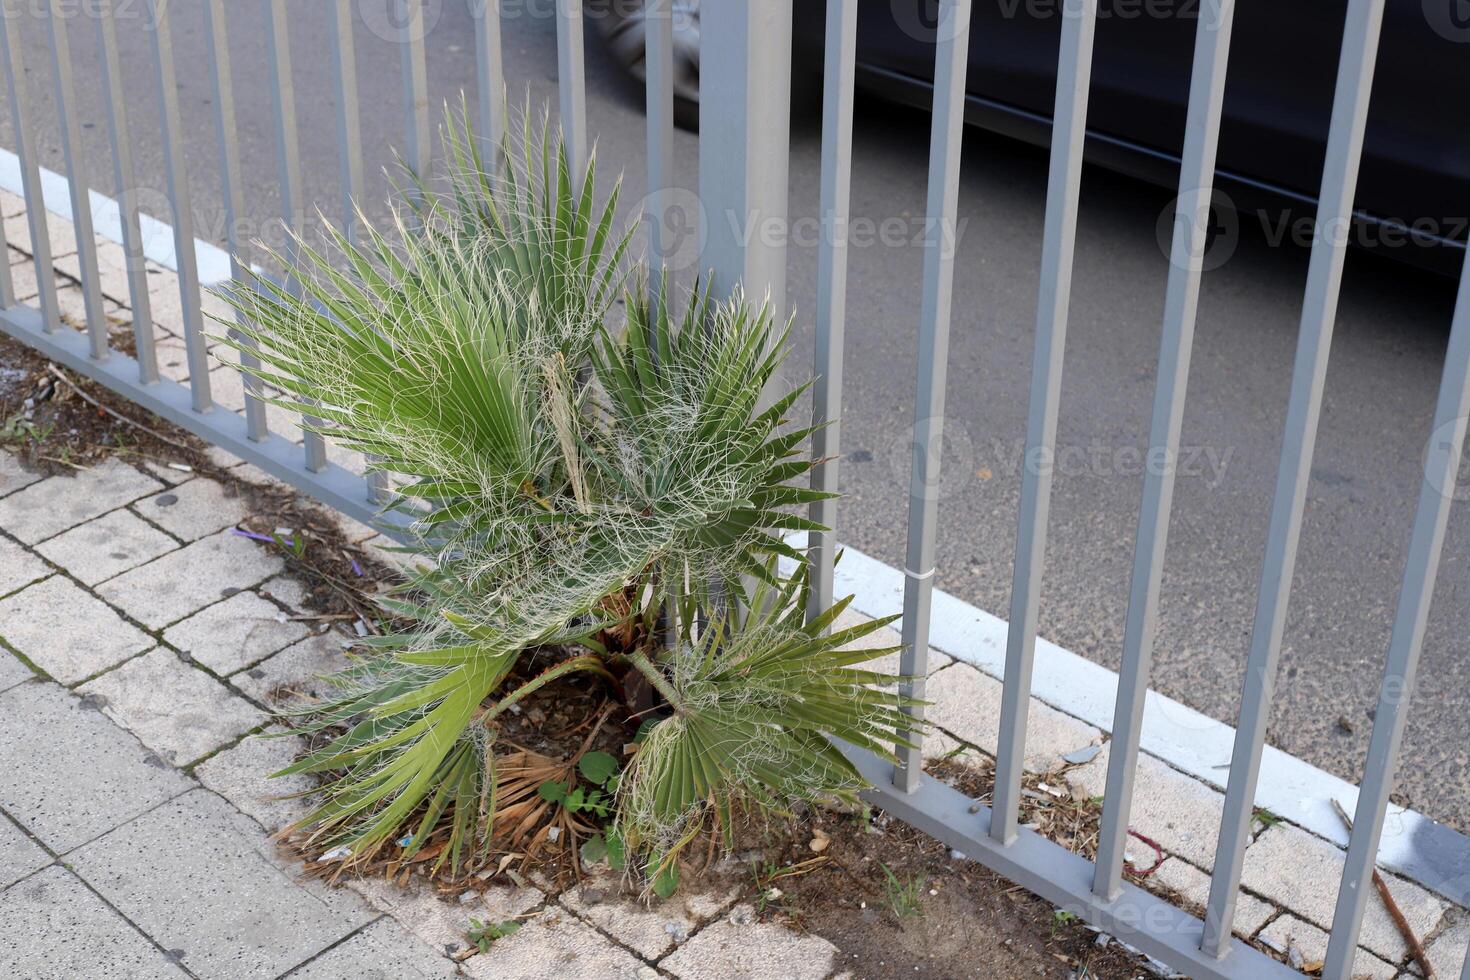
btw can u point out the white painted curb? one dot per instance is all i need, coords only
(212, 262)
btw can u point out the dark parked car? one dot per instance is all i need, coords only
(1413, 195)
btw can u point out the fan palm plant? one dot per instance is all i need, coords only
(573, 485)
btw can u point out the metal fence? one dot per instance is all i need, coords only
(743, 154)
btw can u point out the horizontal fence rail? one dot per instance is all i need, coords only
(744, 158)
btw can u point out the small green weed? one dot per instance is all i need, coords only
(484, 934)
(903, 897)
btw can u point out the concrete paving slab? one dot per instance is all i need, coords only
(555, 945)
(13, 476)
(1301, 872)
(53, 928)
(66, 631)
(649, 929)
(966, 704)
(13, 671)
(440, 924)
(67, 774)
(1193, 886)
(242, 775)
(1447, 950)
(19, 854)
(296, 672)
(1289, 931)
(383, 950)
(18, 567)
(739, 947)
(194, 509)
(191, 875)
(231, 635)
(45, 509)
(109, 545)
(1178, 811)
(182, 582)
(176, 710)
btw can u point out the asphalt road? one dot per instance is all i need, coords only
(1384, 372)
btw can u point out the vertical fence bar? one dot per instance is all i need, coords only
(70, 131)
(288, 168)
(744, 146)
(1436, 496)
(415, 70)
(946, 134)
(30, 171)
(1465, 971)
(167, 94)
(838, 82)
(1069, 130)
(490, 78)
(1181, 303)
(7, 281)
(118, 133)
(227, 136)
(349, 149)
(349, 116)
(658, 43)
(571, 82)
(1309, 374)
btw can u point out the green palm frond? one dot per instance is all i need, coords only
(754, 710)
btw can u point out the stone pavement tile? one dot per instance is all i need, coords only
(1447, 950)
(191, 510)
(966, 704)
(382, 951)
(608, 903)
(1178, 811)
(173, 359)
(440, 924)
(11, 204)
(12, 671)
(1289, 931)
(13, 476)
(231, 635)
(556, 945)
(67, 774)
(19, 855)
(297, 672)
(182, 582)
(192, 875)
(18, 567)
(108, 546)
(287, 590)
(51, 506)
(1194, 886)
(58, 232)
(242, 775)
(739, 947)
(53, 928)
(1301, 872)
(112, 269)
(23, 275)
(71, 303)
(178, 711)
(67, 632)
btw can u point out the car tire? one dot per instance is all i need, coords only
(622, 27)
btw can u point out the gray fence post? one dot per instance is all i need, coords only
(744, 145)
